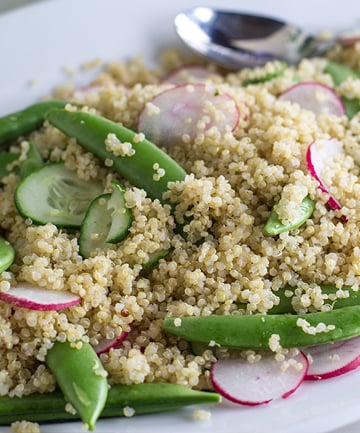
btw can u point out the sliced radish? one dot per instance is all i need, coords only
(26, 295)
(319, 153)
(316, 97)
(257, 383)
(187, 110)
(330, 360)
(189, 74)
(348, 41)
(106, 344)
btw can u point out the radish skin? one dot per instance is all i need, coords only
(349, 41)
(330, 360)
(314, 96)
(318, 154)
(253, 384)
(106, 344)
(26, 295)
(185, 111)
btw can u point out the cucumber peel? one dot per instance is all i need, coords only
(107, 221)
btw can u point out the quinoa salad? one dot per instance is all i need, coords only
(205, 245)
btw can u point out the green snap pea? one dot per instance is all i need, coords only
(340, 73)
(352, 106)
(7, 254)
(266, 77)
(81, 377)
(274, 226)
(23, 122)
(143, 398)
(32, 162)
(285, 302)
(148, 168)
(6, 159)
(254, 331)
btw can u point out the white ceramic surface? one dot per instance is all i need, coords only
(40, 43)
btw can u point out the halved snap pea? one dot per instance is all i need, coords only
(81, 377)
(7, 254)
(274, 226)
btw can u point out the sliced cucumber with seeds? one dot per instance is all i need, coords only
(55, 194)
(106, 221)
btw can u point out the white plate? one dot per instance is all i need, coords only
(38, 41)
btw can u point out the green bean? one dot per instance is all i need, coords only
(5, 160)
(32, 162)
(7, 254)
(141, 169)
(143, 398)
(23, 122)
(254, 331)
(274, 226)
(81, 377)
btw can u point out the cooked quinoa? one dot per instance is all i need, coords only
(224, 265)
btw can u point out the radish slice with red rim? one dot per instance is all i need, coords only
(190, 74)
(185, 111)
(257, 383)
(348, 41)
(106, 344)
(26, 295)
(317, 97)
(331, 360)
(319, 153)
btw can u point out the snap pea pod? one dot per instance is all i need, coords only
(280, 69)
(6, 159)
(274, 226)
(143, 398)
(81, 377)
(254, 331)
(32, 162)
(340, 73)
(7, 254)
(142, 169)
(285, 302)
(23, 122)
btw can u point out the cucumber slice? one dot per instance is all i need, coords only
(120, 215)
(107, 220)
(54, 194)
(96, 225)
